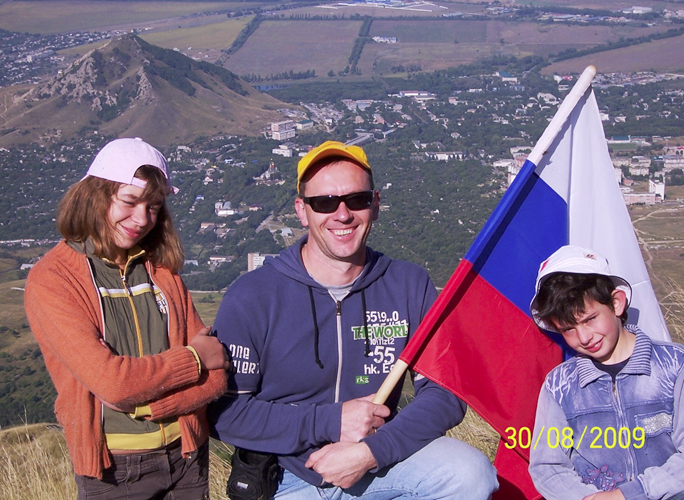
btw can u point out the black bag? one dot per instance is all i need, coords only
(254, 476)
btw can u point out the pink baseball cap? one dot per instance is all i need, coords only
(120, 159)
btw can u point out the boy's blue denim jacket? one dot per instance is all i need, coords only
(648, 394)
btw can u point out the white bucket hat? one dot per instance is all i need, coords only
(120, 159)
(574, 260)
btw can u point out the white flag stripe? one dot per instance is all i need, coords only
(597, 215)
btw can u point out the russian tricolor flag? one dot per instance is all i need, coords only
(479, 340)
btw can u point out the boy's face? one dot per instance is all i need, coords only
(597, 331)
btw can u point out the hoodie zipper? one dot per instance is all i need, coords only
(338, 313)
(138, 335)
(148, 268)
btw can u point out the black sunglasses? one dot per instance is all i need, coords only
(327, 204)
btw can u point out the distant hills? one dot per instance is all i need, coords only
(132, 88)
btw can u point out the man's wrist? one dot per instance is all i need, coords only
(328, 422)
(369, 459)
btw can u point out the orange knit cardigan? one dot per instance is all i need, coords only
(64, 311)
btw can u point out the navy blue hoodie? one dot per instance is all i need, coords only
(297, 354)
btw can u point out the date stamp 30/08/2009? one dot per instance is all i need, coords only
(598, 437)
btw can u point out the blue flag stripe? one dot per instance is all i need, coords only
(529, 224)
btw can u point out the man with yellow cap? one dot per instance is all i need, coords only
(312, 335)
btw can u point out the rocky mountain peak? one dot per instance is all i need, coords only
(130, 87)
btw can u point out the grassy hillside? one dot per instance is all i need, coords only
(26, 392)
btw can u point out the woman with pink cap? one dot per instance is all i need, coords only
(132, 362)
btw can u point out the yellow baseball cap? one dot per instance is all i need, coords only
(328, 149)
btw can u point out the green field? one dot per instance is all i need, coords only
(201, 30)
(494, 31)
(285, 45)
(296, 45)
(12, 299)
(564, 34)
(659, 55)
(207, 305)
(14, 331)
(623, 147)
(64, 16)
(200, 42)
(431, 9)
(435, 44)
(592, 4)
(380, 57)
(414, 31)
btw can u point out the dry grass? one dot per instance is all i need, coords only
(477, 433)
(674, 311)
(659, 229)
(35, 465)
(219, 469)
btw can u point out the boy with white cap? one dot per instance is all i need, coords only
(610, 421)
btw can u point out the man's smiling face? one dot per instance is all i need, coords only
(340, 235)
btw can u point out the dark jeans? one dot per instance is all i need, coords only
(160, 475)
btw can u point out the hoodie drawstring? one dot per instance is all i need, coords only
(365, 322)
(315, 322)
